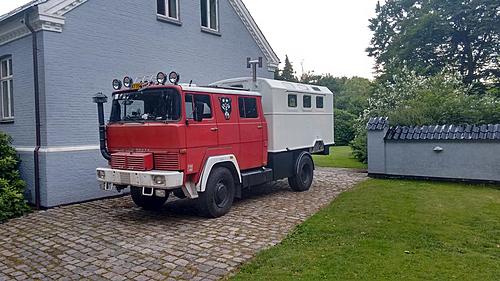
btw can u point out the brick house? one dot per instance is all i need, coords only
(82, 45)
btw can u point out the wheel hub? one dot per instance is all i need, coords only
(221, 194)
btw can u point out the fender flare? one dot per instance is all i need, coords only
(210, 163)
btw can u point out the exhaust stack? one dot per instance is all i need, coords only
(100, 99)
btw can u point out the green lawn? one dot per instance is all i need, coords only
(340, 157)
(392, 230)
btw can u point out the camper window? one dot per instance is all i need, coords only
(292, 100)
(306, 101)
(319, 102)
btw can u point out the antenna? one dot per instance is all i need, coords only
(253, 65)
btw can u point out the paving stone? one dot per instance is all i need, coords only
(113, 239)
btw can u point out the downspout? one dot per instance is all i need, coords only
(38, 141)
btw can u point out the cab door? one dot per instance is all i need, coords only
(201, 136)
(226, 113)
(251, 133)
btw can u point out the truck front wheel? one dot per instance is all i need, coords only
(147, 202)
(219, 194)
(303, 175)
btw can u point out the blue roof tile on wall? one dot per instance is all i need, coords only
(377, 123)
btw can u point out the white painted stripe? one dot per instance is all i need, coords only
(58, 148)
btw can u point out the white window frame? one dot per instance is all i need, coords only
(167, 11)
(208, 16)
(9, 79)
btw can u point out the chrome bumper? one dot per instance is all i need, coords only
(112, 177)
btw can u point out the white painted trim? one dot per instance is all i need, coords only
(211, 162)
(57, 149)
(242, 11)
(49, 17)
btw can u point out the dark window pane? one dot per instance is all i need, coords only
(319, 102)
(241, 105)
(307, 101)
(292, 100)
(213, 14)
(10, 66)
(160, 7)
(251, 108)
(4, 72)
(189, 107)
(248, 108)
(172, 9)
(204, 99)
(5, 99)
(11, 93)
(204, 10)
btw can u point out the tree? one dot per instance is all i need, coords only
(288, 74)
(428, 36)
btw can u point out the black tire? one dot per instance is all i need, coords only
(218, 197)
(304, 174)
(147, 202)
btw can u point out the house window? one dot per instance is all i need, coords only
(319, 102)
(210, 14)
(306, 101)
(248, 108)
(168, 8)
(292, 100)
(6, 89)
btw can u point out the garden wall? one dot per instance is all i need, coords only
(470, 153)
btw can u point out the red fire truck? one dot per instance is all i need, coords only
(210, 143)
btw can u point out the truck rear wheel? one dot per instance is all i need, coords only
(147, 202)
(304, 174)
(218, 197)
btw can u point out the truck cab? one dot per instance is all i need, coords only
(204, 143)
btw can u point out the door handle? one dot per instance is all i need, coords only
(259, 127)
(214, 129)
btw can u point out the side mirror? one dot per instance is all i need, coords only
(198, 111)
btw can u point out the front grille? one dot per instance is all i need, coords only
(167, 161)
(132, 161)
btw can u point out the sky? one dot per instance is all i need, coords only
(324, 36)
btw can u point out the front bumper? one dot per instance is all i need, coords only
(107, 177)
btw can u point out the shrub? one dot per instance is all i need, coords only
(410, 99)
(344, 127)
(12, 202)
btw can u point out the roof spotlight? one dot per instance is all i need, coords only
(161, 78)
(174, 77)
(117, 84)
(127, 82)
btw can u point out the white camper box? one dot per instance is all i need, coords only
(292, 123)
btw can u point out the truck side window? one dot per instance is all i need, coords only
(205, 99)
(248, 108)
(319, 102)
(307, 101)
(292, 100)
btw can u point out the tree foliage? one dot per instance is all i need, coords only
(428, 36)
(287, 74)
(12, 202)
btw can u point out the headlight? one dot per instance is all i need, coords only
(159, 180)
(161, 78)
(101, 174)
(174, 77)
(127, 82)
(117, 84)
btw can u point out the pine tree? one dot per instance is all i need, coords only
(288, 74)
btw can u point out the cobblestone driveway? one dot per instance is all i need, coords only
(112, 239)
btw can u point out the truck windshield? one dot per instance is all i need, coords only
(147, 106)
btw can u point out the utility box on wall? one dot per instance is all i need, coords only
(468, 152)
